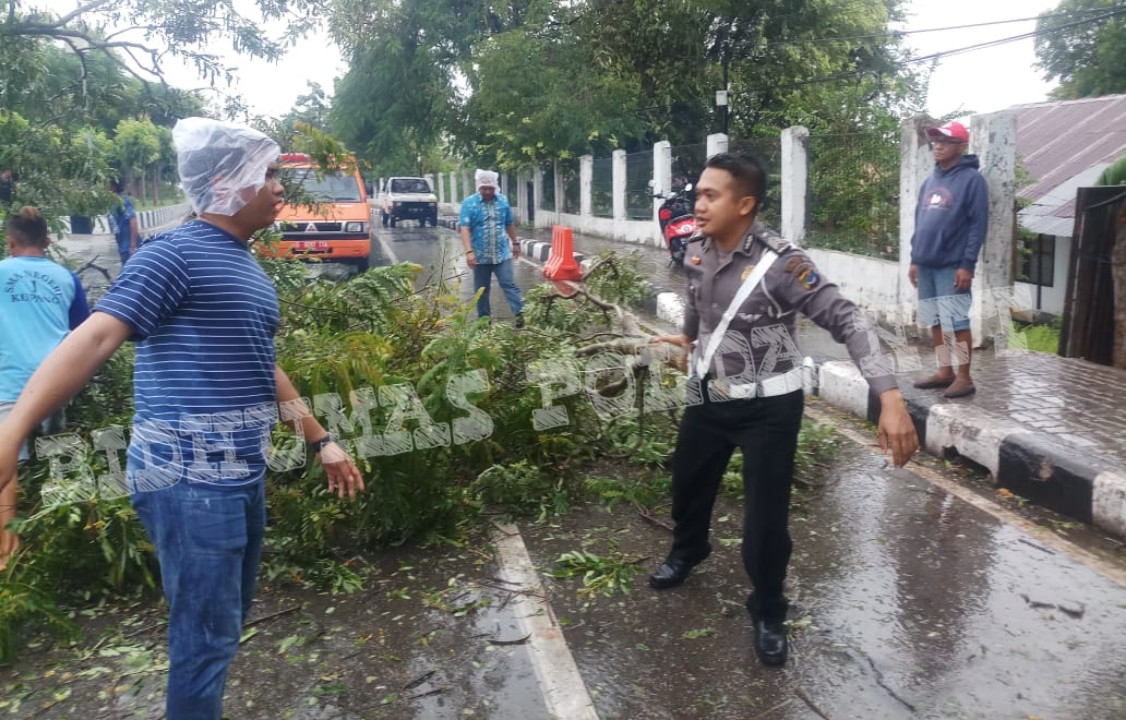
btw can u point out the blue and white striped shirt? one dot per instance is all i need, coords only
(204, 315)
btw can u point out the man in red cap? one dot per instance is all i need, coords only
(950, 223)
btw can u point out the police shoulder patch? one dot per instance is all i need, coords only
(807, 276)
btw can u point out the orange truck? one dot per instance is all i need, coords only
(335, 226)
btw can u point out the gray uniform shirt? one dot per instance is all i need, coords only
(761, 340)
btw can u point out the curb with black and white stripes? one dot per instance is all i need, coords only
(1034, 465)
(535, 250)
(146, 219)
(540, 250)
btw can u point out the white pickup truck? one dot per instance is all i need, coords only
(408, 197)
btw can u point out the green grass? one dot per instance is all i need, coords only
(1042, 338)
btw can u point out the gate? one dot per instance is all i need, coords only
(1089, 327)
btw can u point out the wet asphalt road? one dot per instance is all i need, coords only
(911, 600)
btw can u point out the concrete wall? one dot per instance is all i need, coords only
(878, 286)
(871, 283)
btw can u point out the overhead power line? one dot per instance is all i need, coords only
(848, 74)
(949, 28)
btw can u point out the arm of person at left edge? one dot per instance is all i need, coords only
(797, 284)
(343, 475)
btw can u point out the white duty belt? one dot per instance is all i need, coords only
(745, 290)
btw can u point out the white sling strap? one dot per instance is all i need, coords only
(745, 290)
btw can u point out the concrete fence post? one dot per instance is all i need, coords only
(537, 188)
(618, 160)
(915, 164)
(586, 185)
(557, 177)
(468, 183)
(717, 143)
(455, 197)
(523, 201)
(795, 182)
(441, 189)
(662, 172)
(993, 138)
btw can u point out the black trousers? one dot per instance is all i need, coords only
(766, 429)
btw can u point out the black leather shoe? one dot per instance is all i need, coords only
(674, 571)
(771, 644)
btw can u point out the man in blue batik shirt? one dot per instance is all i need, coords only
(488, 235)
(123, 220)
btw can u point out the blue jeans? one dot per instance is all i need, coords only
(123, 248)
(482, 278)
(209, 542)
(940, 302)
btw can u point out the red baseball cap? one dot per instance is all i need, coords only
(952, 130)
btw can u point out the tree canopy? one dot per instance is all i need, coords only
(1085, 49)
(83, 93)
(527, 81)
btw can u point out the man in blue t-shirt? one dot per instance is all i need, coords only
(206, 387)
(40, 302)
(123, 221)
(488, 236)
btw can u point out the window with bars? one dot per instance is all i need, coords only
(1038, 261)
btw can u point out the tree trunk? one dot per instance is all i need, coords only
(1118, 270)
(143, 186)
(156, 184)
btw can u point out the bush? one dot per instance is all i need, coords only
(378, 351)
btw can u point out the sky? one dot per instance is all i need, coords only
(984, 80)
(979, 81)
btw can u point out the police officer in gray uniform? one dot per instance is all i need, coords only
(745, 287)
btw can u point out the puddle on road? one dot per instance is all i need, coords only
(908, 603)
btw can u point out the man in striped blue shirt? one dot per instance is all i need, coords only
(206, 387)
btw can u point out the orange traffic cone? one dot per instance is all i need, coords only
(561, 263)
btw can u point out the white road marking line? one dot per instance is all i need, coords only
(1043, 536)
(387, 249)
(563, 689)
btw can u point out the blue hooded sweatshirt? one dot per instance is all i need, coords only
(951, 217)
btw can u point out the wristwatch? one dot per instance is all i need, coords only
(317, 445)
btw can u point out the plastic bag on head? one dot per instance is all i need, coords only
(222, 165)
(486, 178)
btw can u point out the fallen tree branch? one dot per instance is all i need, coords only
(655, 521)
(271, 616)
(812, 705)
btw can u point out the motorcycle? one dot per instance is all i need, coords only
(677, 221)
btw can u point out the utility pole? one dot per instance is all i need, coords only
(722, 97)
(726, 85)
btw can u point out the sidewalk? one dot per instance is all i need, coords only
(1047, 428)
